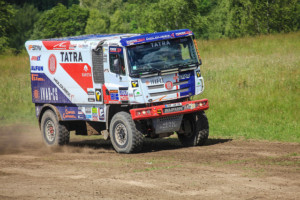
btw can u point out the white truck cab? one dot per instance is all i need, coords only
(123, 86)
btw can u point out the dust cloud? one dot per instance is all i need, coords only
(19, 138)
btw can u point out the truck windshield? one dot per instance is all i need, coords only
(161, 55)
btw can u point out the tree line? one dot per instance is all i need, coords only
(21, 20)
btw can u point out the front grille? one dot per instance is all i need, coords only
(168, 92)
(151, 87)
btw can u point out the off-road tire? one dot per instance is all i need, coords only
(199, 133)
(53, 132)
(125, 134)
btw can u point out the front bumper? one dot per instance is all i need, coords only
(178, 108)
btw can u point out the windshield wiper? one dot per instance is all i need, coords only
(188, 64)
(155, 70)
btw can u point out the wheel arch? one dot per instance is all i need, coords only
(112, 110)
(49, 107)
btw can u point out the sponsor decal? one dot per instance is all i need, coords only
(155, 37)
(104, 58)
(49, 91)
(130, 94)
(115, 49)
(69, 114)
(198, 73)
(90, 91)
(35, 47)
(81, 114)
(173, 105)
(156, 81)
(88, 110)
(173, 109)
(94, 110)
(87, 72)
(48, 94)
(91, 100)
(160, 43)
(101, 113)
(59, 45)
(169, 85)
(158, 37)
(184, 76)
(52, 63)
(123, 95)
(98, 95)
(130, 42)
(114, 94)
(36, 94)
(62, 87)
(37, 68)
(95, 114)
(36, 58)
(184, 33)
(83, 46)
(134, 84)
(71, 56)
(35, 77)
(81, 73)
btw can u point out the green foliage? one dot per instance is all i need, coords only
(172, 14)
(43, 5)
(237, 18)
(22, 24)
(97, 23)
(61, 22)
(6, 13)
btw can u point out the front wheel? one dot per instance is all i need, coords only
(196, 130)
(53, 132)
(124, 134)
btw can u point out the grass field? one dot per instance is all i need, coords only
(15, 98)
(252, 85)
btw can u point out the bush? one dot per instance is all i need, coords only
(61, 22)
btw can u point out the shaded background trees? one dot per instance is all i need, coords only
(21, 20)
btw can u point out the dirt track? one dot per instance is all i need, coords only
(90, 169)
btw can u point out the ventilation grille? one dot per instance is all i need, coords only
(97, 58)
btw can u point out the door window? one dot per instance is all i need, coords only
(116, 60)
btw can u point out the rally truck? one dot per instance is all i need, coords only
(122, 86)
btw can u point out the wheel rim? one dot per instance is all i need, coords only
(121, 134)
(50, 131)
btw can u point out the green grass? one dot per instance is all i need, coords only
(15, 92)
(252, 85)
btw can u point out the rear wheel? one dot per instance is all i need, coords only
(196, 130)
(124, 134)
(53, 132)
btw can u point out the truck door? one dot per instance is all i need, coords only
(116, 80)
